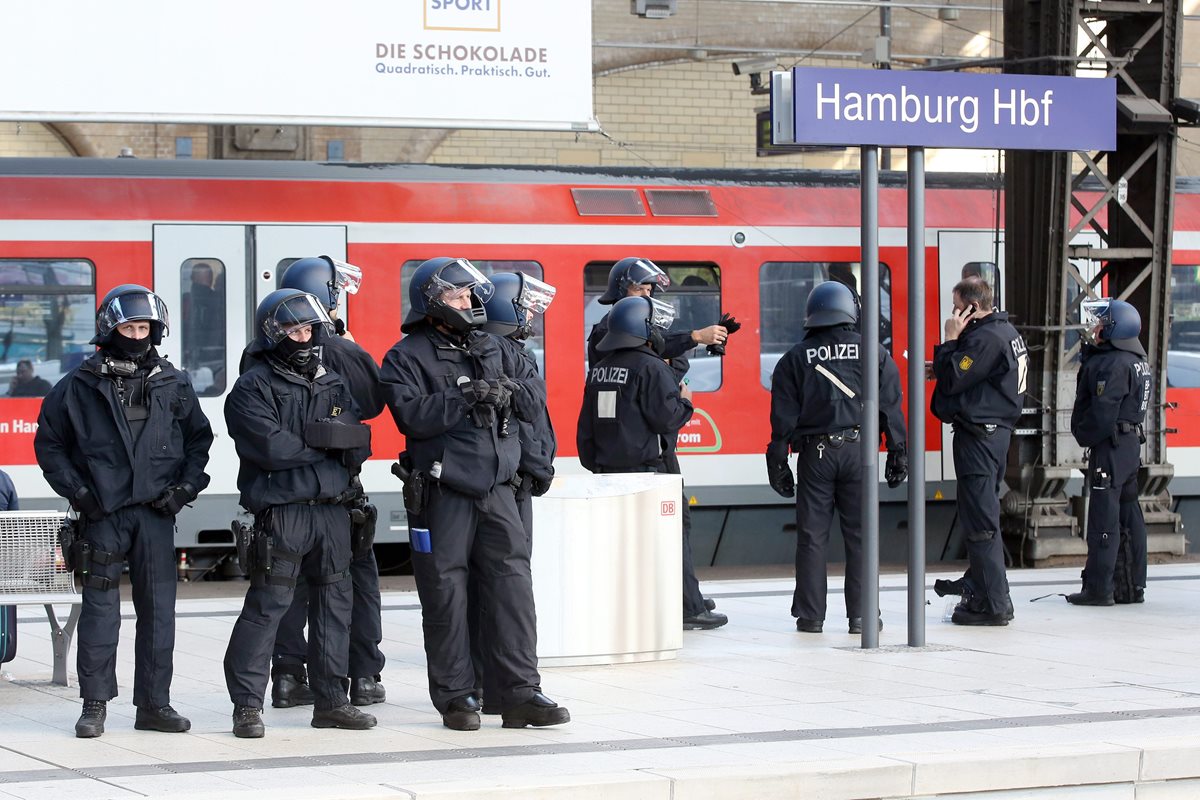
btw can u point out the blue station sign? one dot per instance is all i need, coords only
(951, 109)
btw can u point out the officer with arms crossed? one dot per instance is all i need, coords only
(510, 311)
(122, 437)
(816, 410)
(299, 438)
(641, 277)
(1110, 404)
(449, 395)
(326, 278)
(980, 369)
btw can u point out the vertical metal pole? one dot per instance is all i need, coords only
(869, 443)
(916, 397)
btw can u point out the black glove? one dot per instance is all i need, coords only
(174, 498)
(731, 326)
(539, 486)
(86, 503)
(499, 393)
(473, 391)
(779, 474)
(896, 468)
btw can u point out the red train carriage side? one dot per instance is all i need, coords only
(213, 237)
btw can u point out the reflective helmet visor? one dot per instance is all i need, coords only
(642, 271)
(346, 277)
(456, 279)
(536, 296)
(1094, 312)
(132, 307)
(295, 312)
(662, 315)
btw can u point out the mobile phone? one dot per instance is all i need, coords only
(971, 309)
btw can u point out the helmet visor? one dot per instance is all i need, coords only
(643, 271)
(535, 295)
(346, 277)
(457, 279)
(293, 313)
(1093, 312)
(662, 315)
(132, 307)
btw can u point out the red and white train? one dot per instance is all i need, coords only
(212, 238)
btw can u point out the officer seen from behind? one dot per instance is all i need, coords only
(122, 437)
(816, 411)
(449, 394)
(1110, 405)
(299, 438)
(326, 278)
(980, 369)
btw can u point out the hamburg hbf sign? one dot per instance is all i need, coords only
(947, 109)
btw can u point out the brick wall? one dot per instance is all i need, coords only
(30, 140)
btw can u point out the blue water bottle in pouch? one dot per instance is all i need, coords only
(418, 538)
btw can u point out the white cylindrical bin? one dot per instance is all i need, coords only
(608, 569)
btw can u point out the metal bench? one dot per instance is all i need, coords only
(32, 572)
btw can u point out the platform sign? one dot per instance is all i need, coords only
(893, 108)
(521, 64)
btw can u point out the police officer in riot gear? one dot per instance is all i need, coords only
(450, 396)
(296, 429)
(816, 411)
(326, 279)
(1110, 405)
(641, 277)
(980, 370)
(128, 471)
(510, 311)
(633, 407)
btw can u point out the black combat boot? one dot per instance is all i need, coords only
(367, 691)
(91, 721)
(538, 711)
(165, 719)
(289, 687)
(1089, 597)
(856, 624)
(344, 716)
(809, 625)
(462, 714)
(705, 621)
(248, 723)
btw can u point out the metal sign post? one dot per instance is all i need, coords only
(869, 441)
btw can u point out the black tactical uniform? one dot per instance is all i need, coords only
(1110, 405)
(361, 375)
(297, 433)
(448, 394)
(816, 409)
(123, 438)
(980, 380)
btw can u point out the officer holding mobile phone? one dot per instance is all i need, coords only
(980, 369)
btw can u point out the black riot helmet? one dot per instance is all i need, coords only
(323, 277)
(440, 279)
(830, 303)
(1121, 323)
(517, 297)
(634, 321)
(130, 302)
(283, 310)
(633, 272)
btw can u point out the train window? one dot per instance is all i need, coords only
(48, 313)
(1183, 348)
(535, 343)
(201, 324)
(783, 288)
(696, 294)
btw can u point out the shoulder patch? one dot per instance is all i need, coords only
(1099, 388)
(965, 363)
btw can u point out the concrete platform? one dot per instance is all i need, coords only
(1063, 703)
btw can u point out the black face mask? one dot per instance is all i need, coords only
(297, 355)
(126, 348)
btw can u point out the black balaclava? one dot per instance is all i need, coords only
(297, 356)
(128, 349)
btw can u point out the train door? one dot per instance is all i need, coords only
(960, 254)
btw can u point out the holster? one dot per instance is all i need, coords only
(416, 484)
(521, 483)
(363, 518)
(68, 535)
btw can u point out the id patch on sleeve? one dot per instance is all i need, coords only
(606, 404)
(965, 363)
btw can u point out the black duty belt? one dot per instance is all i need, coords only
(980, 430)
(1129, 427)
(833, 438)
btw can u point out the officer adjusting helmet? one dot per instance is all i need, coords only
(517, 297)
(323, 277)
(634, 321)
(633, 272)
(130, 302)
(830, 303)
(439, 280)
(1120, 323)
(283, 311)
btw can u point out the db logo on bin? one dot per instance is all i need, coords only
(668, 508)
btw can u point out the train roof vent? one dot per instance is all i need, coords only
(608, 203)
(681, 203)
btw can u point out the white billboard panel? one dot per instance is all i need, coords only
(426, 63)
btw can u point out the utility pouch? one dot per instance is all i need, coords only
(330, 435)
(1101, 479)
(362, 529)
